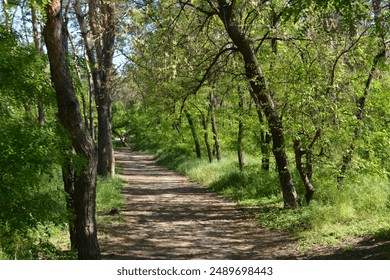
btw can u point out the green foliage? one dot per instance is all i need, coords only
(360, 207)
(31, 189)
(316, 60)
(21, 85)
(108, 193)
(250, 187)
(109, 197)
(46, 242)
(172, 158)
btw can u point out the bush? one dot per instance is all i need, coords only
(31, 189)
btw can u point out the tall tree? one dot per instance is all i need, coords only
(241, 125)
(213, 105)
(260, 95)
(70, 116)
(99, 38)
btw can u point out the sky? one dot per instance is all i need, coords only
(21, 24)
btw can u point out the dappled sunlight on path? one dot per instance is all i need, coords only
(166, 216)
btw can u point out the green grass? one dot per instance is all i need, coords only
(108, 197)
(360, 207)
(108, 193)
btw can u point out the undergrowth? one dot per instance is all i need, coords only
(108, 193)
(109, 197)
(49, 240)
(359, 207)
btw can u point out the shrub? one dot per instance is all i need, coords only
(31, 190)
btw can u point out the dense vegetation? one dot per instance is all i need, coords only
(282, 106)
(34, 217)
(324, 69)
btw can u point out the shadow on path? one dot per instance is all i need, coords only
(166, 216)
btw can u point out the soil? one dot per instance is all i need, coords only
(167, 216)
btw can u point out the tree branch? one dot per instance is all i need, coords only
(200, 9)
(332, 73)
(206, 74)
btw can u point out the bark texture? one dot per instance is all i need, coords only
(195, 137)
(304, 173)
(99, 39)
(70, 116)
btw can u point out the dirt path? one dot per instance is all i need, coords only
(168, 217)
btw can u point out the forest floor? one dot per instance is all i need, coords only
(167, 216)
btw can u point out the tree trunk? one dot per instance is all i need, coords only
(122, 138)
(68, 175)
(41, 108)
(240, 139)
(265, 150)
(206, 138)
(262, 99)
(360, 105)
(106, 162)
(70, 116)
(104, 54)
(100, 51)
(214, 127)
(90, 100)
(78, 73)
(194, 134)
(265, 142)
(305, 174)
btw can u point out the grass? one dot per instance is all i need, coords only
(108, 197)
(108, 193)
(360, 207)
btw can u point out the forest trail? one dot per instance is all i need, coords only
(166, 216)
